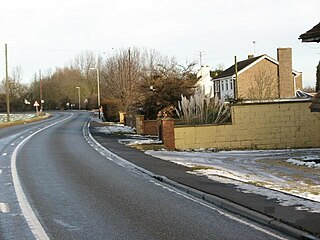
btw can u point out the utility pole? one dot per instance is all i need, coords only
(130, 83)
(254, 48)
(7, 85)
(201, 53)
(236, 79)
(41, 101)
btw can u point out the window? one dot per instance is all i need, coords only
(227, 84)
(231, 84)
(217, 86)
(222, 85)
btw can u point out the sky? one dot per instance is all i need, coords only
(45, 34)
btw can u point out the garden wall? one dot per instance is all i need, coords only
(273, 125)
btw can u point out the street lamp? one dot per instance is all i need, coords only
(79, 97)
(98, 87)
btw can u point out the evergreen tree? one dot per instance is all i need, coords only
(318, 78)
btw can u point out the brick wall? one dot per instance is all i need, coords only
(256, 126)
(151, 127)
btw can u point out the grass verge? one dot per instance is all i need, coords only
(25, 121)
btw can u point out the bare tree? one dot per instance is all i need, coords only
(119, 77)
(17, 90)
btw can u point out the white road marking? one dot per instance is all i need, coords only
(4, 207)
(30, 216)
(220, 211)
(4, 154)
(192, 199)
(12, 144)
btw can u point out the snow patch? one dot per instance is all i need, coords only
(258, 172)
(110, 129)
(304, 163)
(16, 117)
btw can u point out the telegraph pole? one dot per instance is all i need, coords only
(201, 53)
(236, 78)
(7, 85)
(130, 84)
(41, 104)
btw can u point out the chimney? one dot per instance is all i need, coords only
(250, 56)
(285, 77)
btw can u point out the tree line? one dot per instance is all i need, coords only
(131, 80)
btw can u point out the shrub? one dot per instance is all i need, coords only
(201, 109)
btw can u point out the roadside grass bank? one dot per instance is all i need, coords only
(21, 119)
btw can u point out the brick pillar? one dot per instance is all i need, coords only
(140, 124)
(168, 133)
(122, 117)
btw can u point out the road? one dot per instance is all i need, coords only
(55, 184)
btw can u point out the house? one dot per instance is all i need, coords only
(312, 35)
(260, 77)
(204, 79)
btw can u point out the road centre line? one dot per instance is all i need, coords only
(32, 220)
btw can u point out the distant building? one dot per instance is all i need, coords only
(260, 77)
(204, 79)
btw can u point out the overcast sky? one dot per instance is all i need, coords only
(45, 34)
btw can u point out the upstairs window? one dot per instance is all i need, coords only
(227, 83)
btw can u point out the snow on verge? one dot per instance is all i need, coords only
(304, 163)
(110, 129)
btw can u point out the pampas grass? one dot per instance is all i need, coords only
(201, 109)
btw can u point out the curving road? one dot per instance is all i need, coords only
(72, 191)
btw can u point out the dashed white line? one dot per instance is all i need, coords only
(4, 154)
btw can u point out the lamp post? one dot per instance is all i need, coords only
(98, 88)
(79, 96)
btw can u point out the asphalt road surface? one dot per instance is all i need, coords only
(55, 184)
